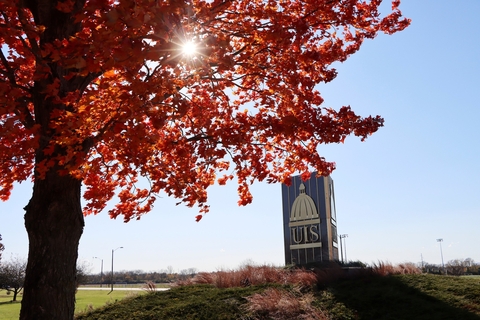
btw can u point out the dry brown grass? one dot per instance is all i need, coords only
(150, 286)
(279, 304)
(409, 268)
(265, 274)
(255, 275)
(386, 268)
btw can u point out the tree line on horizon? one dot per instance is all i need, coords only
(455, 267)
(140, 276)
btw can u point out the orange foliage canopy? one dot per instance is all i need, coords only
(117, 101)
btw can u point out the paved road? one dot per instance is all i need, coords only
(119, 289)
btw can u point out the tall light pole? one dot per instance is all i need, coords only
(101, 271)
(345, 247)
(441, 253)
(341, 247)
(113, 250)
(343, 236)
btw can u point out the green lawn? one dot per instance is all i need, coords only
(86, 299)
(9, 310)
(426, 297)
(199, 302)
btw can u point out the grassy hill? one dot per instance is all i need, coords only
(411, 296)
(270, 293)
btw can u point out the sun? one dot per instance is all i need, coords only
(189, 48)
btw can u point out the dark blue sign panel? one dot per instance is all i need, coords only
(309, 220)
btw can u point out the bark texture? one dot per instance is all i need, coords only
(54, 222)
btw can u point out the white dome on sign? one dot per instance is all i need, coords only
(303, 207)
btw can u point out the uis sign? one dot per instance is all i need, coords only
(304, 222)
(309, 220)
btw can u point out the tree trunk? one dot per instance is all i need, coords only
(54, 223)
(53, 218)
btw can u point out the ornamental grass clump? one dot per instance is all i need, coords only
(150, 286)
(386, 268)
(279, 304)
(255, 275)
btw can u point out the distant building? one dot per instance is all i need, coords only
(309, 220)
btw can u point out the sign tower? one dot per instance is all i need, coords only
(309, 220)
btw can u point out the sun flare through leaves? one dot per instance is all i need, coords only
(189, 48)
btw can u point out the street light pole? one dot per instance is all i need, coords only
(113, 250)
(343, 236)
(441, 254)
(341, 247)
(101, 272)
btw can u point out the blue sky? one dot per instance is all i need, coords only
(415, 180)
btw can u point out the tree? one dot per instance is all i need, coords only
(99, 93)
(12, 276)
(81, 277)
(2, 247)
(456, 267)
(471, 266)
